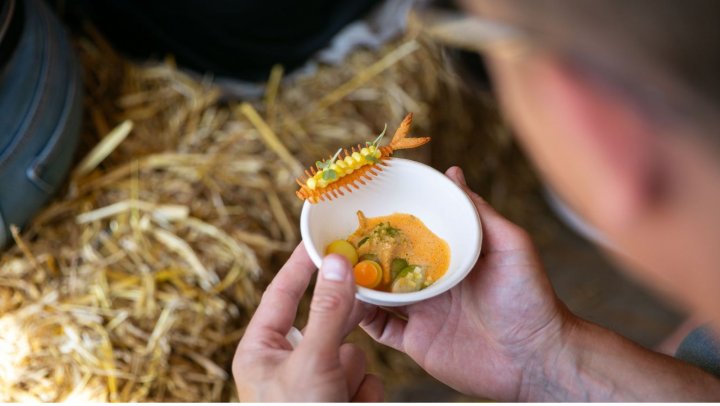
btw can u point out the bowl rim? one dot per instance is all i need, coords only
(399, 299)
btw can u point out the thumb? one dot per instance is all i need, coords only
(330, 308)
(500, 234)
(457, 175)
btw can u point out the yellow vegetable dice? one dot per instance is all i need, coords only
(344, 248)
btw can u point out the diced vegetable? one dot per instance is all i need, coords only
(343, 248)
(397, 265)
(368, 274)
(410, 279)
(403, 272)
(331, 170)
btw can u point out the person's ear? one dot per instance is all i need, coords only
(614, 143)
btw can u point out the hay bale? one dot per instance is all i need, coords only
(135, 284)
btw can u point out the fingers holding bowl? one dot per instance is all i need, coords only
(499, 233)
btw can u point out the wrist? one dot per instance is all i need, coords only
(554, 365)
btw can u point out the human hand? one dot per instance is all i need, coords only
(482, 336)
(266, 368)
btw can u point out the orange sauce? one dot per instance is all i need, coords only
(401, 236)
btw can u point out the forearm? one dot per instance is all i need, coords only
(594, 364)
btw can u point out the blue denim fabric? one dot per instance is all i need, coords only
(701, 348)
(40, 116)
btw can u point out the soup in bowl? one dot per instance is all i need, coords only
(404, 188)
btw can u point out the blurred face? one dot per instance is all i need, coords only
(652, 190)
(534, 98)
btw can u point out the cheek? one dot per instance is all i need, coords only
(558, 158)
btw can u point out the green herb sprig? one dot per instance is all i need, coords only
(377, 140)
(375, 143)
(328, 174)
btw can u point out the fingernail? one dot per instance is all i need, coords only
(334, 268)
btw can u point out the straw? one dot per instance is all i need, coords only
(137, 281)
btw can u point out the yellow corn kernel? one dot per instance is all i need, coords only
(372, 149)
(364, 152)
(311, 183)
(322, 183)
(349, 161)
(341, 164)
(357, 157)
(339, 172)
(378, 153)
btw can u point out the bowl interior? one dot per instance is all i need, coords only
(403, 187)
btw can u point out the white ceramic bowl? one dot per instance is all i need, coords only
(403, 187)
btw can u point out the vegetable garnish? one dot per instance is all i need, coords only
(397, 265)
(410, 256)
(327, 179)
(344, 248)
(368, 274)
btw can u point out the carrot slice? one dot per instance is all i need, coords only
(368, 274)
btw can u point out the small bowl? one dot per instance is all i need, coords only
(403, 187)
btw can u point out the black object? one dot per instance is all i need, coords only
(11, 25)
(471, 67)
(236, 38)
(41, 105)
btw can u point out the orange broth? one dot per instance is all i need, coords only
(411, 241)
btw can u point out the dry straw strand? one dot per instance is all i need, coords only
(136, 283)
